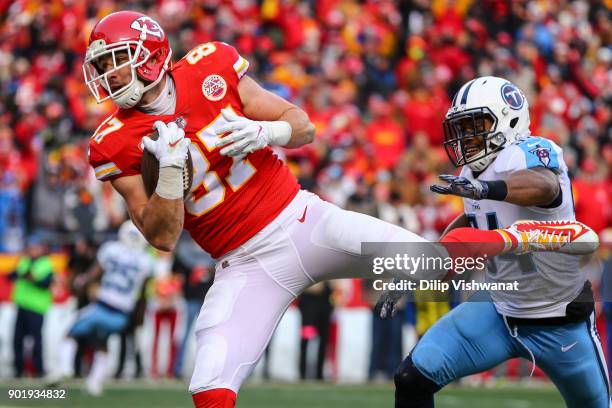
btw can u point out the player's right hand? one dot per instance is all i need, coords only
(171, 146)
(462, 187)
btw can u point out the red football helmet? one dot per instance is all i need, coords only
(148, 53)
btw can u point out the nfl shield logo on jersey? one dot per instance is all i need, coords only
(214, 87)
(543, 153)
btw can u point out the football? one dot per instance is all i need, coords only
(149, 169)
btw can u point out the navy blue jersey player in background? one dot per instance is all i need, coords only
(509, 175)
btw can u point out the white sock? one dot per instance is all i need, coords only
(68, 350)
(97, 374)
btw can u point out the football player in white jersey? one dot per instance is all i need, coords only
(509, 175)
(123, 265)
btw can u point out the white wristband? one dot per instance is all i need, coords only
(280, 132)
(170, 183)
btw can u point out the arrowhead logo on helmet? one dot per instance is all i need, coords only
(147, 25)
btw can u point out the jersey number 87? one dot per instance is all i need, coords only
(209, 188)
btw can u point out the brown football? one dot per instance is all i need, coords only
(149, 169)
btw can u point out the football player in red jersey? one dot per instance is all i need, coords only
(271, 240)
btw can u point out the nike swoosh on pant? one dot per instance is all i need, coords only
(303, 218)
(567, 348)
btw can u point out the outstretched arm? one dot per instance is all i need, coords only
(535, 186)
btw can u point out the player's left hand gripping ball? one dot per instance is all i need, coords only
(247, 136)
(171, 146)
(462, 187)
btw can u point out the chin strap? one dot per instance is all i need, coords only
(131, 96)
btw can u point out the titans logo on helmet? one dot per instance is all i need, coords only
(512, 96)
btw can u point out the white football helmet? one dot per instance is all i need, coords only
(492, 98)
(130, 236)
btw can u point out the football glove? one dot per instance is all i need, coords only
(462, 187)
(247, 135)
(385, 306)
(171, 146)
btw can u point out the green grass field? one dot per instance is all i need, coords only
(172, 394)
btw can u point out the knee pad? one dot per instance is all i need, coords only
(216, 398)
(412, 388)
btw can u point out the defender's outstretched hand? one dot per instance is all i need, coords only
(462, 187)
(247, 135)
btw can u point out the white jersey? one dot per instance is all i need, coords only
(547, 281)
(125, 270)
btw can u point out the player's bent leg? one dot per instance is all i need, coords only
(470, 339)
(572, 356)
(412, 388)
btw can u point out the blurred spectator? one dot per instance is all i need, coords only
(386, 351)
(196, 269)
(384, 134)
(362, 200)
(167, 289)
(32, 296)
(316, 309)
(592, 196)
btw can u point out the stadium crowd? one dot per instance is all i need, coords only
(375, 76)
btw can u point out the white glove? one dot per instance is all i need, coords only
(171, 146)
(248, 135)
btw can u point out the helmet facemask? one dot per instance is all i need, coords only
(471, 138)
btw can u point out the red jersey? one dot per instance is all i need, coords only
(230, 200)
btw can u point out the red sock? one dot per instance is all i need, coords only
(216, 398)
(471, 242)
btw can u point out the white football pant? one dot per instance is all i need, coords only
(310, 241)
